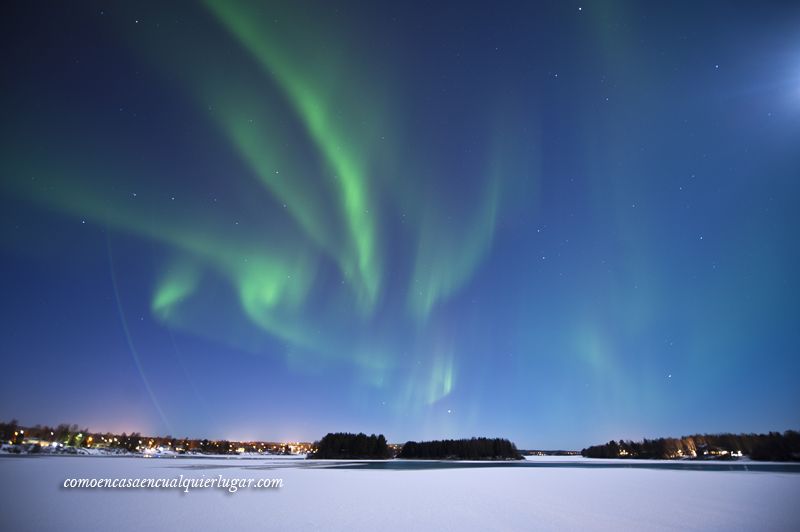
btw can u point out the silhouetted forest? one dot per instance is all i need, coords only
(772, 447)
(466, 449)
(351, 446)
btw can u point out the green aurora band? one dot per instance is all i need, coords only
(315, 213)
(317, 111)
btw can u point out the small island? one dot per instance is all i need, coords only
(347, 446)
(463, 449)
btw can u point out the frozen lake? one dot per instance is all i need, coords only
(550, 493)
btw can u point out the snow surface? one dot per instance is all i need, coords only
(323, 496)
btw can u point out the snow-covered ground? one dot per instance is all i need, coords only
(326, 496)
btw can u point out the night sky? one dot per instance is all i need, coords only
(555, 222)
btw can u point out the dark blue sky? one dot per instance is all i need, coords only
(555, 222)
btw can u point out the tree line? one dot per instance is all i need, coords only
(344, 445)
(72, 436)
(463, 449)
(772, 447)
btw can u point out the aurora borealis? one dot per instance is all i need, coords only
(553, 222)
